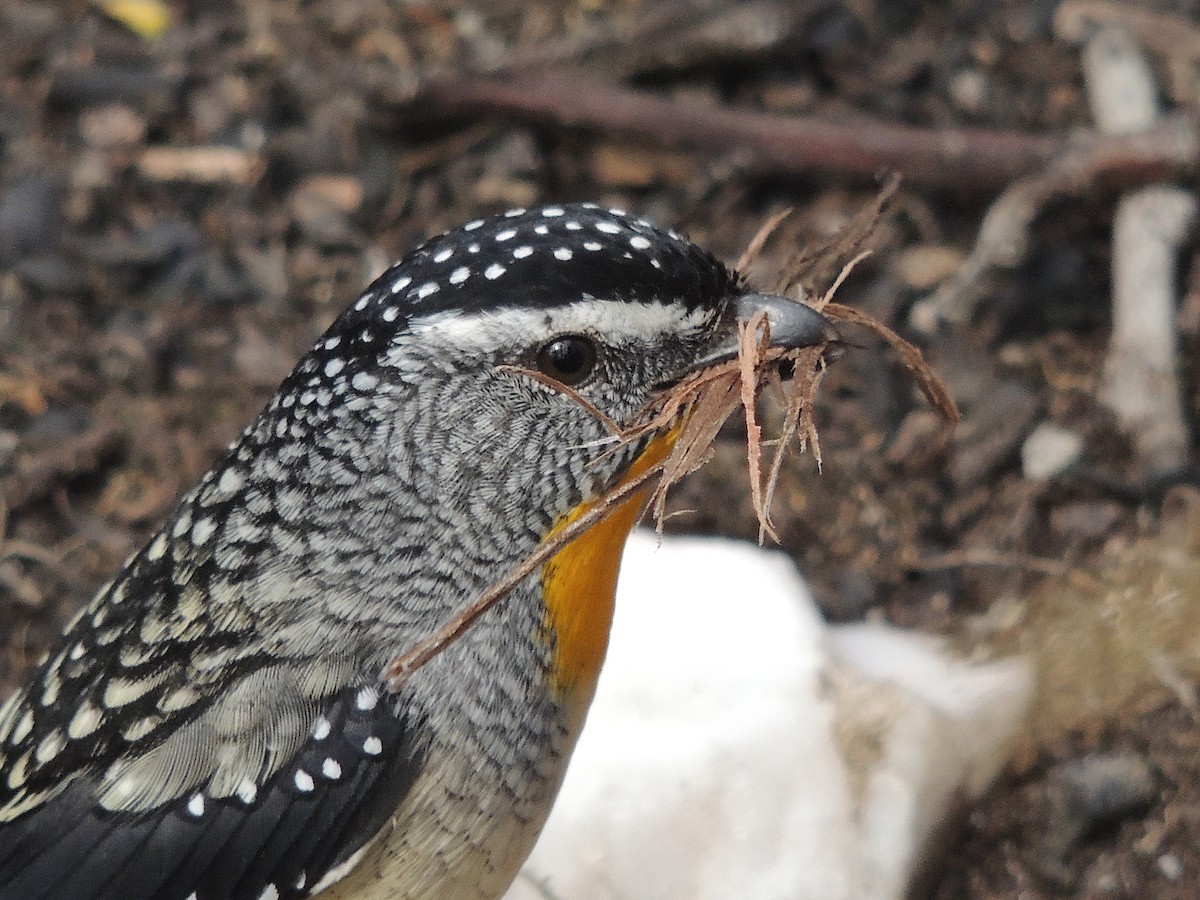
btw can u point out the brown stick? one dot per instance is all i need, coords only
(961, 159)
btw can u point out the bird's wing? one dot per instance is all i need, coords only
(167, 748)
(275, 839)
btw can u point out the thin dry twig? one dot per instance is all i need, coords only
(701, 402)
(403, 666)
(818, 263)
(753, 338)
(611, 425)
(931, 385)
(754, 248)
(962, 160)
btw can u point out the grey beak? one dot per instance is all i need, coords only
(793, 325)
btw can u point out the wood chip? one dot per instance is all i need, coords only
(200, 165)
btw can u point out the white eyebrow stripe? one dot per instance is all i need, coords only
(617, 321)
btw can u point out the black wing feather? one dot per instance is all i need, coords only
(70, 849)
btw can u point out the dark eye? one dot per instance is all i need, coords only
(568, 359)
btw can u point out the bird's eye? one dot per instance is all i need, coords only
(568, 359)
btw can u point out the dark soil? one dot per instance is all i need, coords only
(150, 303)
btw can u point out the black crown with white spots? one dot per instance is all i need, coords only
(537, 257)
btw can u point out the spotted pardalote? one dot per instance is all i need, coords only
(216, 723)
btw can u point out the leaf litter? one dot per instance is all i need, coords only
(700, 404)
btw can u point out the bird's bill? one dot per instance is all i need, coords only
(793, 325)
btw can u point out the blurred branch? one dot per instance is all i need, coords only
(667, 35)
(963, 160)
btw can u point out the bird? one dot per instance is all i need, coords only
(218, 724)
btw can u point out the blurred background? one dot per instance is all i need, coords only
(190, 192)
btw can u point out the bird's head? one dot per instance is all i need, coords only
(606, 304)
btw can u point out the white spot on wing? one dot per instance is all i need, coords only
(331, 769)
(366, 699)
(563, 253)
(372, 746)
(247, 790)
(195, 806)
(494, 271)
(304, 781)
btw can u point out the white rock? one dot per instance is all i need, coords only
(1049, 450)
(740, 748)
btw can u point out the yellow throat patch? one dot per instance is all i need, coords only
(579, 583)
